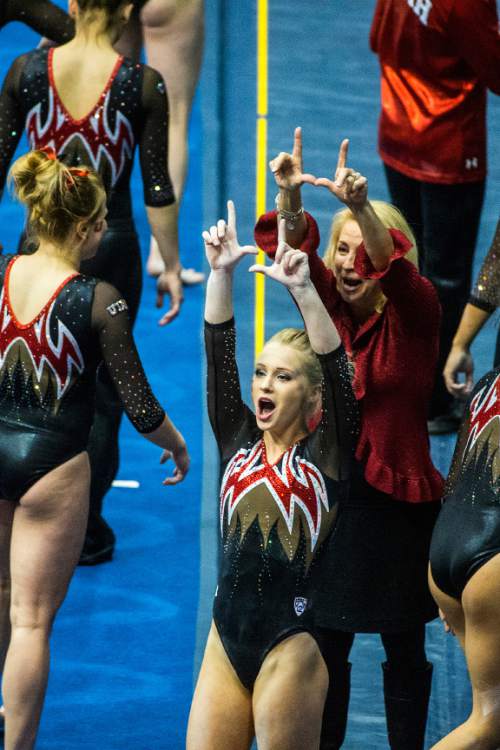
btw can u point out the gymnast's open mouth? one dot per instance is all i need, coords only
(265, 408)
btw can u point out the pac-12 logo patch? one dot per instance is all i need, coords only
(299, 605)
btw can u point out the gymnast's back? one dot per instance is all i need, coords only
(48, 370)
(48, 364)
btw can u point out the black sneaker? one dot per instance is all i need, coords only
(99, 543)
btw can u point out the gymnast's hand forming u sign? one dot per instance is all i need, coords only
(290, 266)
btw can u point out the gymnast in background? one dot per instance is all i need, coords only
(57, 327)
(465, 551)
(95, 108)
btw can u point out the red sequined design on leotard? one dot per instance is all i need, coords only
(292, 488)
(484, 418)
(101, 142)
(44, 361)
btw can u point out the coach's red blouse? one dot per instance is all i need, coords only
(437, 58)
(394, 353)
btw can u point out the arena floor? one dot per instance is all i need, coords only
(128, 641)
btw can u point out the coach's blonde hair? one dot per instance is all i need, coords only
(390, 216)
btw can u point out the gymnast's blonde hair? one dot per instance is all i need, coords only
(297, 338)
(57, 197)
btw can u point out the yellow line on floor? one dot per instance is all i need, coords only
(261, 161)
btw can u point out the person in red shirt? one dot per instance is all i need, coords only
(437, 59)
(388, 316)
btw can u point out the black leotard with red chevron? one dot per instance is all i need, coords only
(467, 532)
(275, 519)
(48, 374)
(131, 111)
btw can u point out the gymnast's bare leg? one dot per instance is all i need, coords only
(476, 623)
(283, 711)
(48, 528)
(172, 32)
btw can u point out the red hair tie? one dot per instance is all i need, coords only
(49, 152)
(79, 172)
(75, 172)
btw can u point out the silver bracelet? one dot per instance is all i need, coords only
(290, 217)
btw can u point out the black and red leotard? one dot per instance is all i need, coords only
(48, 374)
(275, 519)
(467, 532)
(131, 111)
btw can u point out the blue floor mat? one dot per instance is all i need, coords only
(127, 635)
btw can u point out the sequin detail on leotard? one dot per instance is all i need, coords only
(106, 136)
(41, 15)
(48, 366)
(484, 430)
(275, 518)
(486, 291)
(289, 495)
(47, 362)
(131, 110)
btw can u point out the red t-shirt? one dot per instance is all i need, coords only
(395, 354)
(437, 57)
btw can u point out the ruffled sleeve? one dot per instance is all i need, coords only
(365, 268)
(266, 234)
(412, 295)
(266, 237)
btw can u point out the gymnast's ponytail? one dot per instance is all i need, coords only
(57, 197)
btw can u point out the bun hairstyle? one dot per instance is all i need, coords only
(57, 197)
